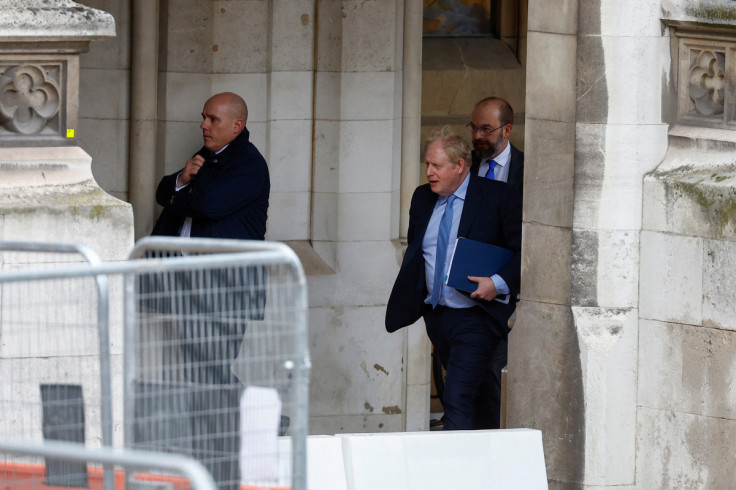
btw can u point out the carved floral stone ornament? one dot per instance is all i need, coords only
(707, 83)
(28, 99)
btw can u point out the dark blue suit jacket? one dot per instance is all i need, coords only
(491, 214)
(228, 197)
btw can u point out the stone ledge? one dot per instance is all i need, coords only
(45, 20)
(693, 200)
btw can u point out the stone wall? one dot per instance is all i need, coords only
(623, 340)
(323, 82)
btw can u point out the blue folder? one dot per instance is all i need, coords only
(473, 258)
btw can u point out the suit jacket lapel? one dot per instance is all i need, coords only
(471, 205)
(425, 213)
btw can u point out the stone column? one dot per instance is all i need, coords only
(48, 192)
(142, 180)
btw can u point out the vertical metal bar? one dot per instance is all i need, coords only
(103, 319)
(129, 359)
(301, 395)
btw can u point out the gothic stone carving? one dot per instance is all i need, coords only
(29, 99)
(707, 81)
(707, 77)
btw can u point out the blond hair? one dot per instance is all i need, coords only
(453, 144)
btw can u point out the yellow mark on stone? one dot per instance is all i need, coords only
(70, 133)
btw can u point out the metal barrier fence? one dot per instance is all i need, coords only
(215, 349)
(23, 465)
(219, 351)
(54, 350)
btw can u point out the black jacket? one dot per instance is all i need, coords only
(491, 214)
(228, 197)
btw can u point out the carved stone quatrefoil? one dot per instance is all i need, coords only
(28, 99)
(707, 82)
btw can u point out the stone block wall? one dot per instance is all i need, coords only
(323, 83)
(104, 101)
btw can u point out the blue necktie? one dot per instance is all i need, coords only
(439, 259)
(491, 165)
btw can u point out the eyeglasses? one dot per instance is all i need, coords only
(484, 131)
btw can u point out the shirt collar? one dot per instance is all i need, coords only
(502, 158)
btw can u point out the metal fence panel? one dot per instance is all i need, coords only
(215, 348)
(218, 364)
(54, 350)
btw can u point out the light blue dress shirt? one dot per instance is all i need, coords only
(501, 172)
(449, 297)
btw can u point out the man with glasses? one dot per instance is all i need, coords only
(493, 156)
(465, 329)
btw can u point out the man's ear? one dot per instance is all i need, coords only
(238, 126)
(507, 131)
(461, 165)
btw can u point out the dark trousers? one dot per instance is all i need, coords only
(466, 343)
(499, 359)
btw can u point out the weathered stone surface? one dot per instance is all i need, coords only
(671, 284)
(714, 12)
(288, 216)
(102, 139)
(592, 84)
(369, 35)
(367, 96)
(607, 338)
(565, 20)
(112, 53)
(359, 281)
(554, 56)
(605, 267)
(296, 176)
(681, 450)
(367, 372)
(549, 163)
(329, 36)
(293, 31)
(187, 26)
(590, 144)
(608, 185)
(239, 36)
(546, 264)
(693, 200)
(360, 156)
(628, 18)
(685, 368)
(545, 386)
(719, 284)
(585, 268)
(51, 20)
(636, 100)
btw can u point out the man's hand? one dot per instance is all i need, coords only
(486, 289)
(190, 170)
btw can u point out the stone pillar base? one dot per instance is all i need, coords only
(49, 195)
